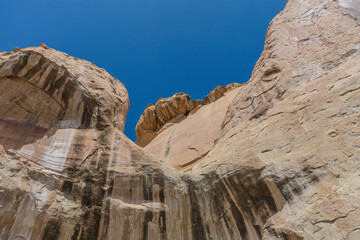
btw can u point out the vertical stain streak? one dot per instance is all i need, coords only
(162, 224)
(35, 69)
(50, 78)
(20, 65)
(7, 218)
(52, 229)
(197, 226)
(147, 219)
(126, 232)
(235, 210)
(147, 191)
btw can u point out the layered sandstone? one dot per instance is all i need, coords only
(219, 92)
(172, 110)
(294, 129)
(66, 169)
(284, 163)
(166, 110)
(181, 144)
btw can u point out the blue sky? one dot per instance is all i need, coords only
(155, 47)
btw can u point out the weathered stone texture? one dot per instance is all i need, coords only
(181, 144)
(169, 111)
(276, 158)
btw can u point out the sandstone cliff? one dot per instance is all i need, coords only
(276, 158)
(184, 140)
(169, 111)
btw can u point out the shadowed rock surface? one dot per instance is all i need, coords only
(278, 157)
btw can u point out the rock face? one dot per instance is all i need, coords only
(283, 160)
(219, 92)
(165, 110)
(182, 143)
(168, 111)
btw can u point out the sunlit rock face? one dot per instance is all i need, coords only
(296, 125)
(169, 110)
(182, 142)
(283, 163)
(179, 131)
(351, 7)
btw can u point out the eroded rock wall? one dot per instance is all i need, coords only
(169, 111)
(285, 163)
(166, 110)
(66, 169)
(182, 144)
(296, 121)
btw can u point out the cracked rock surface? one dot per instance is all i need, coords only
(276, 158)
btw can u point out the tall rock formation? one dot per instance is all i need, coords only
(186, 138)
(168, 111)
(276, 158)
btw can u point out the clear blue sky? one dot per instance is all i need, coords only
(155, 47)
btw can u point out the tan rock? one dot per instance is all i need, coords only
(44, 46)
(285, 162)
(165, 110)
(182, 144)
(291, 131)
(168, 111)
(69, 167)
(294, 127)
(58, 86)
(219, 91)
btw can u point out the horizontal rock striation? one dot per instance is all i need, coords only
(284, 162)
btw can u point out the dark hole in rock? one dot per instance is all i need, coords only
(271, 74)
